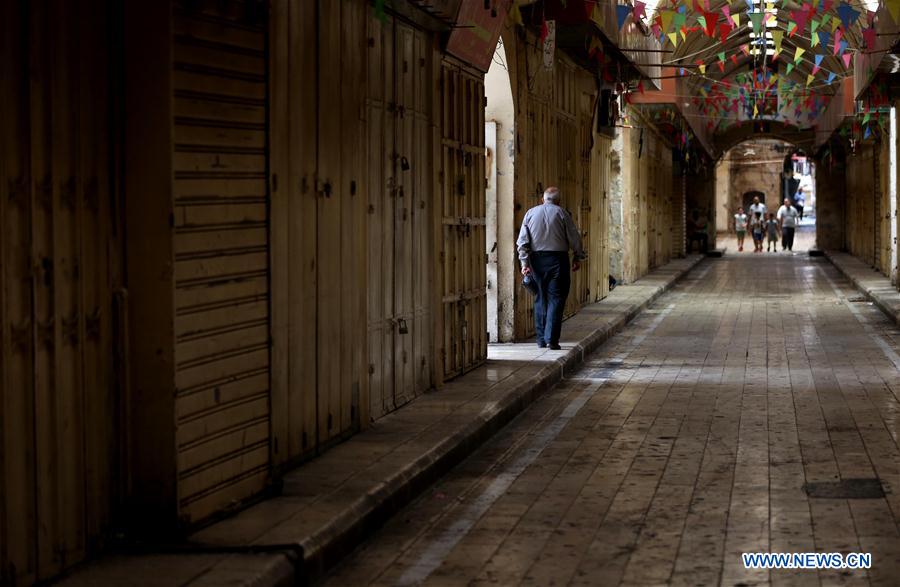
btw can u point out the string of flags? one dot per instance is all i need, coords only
(817, 34)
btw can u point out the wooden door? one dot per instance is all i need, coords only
(319, 198)
(60, 270)
(462, 258)
(400, 226)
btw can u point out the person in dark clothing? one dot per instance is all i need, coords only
(547, 234)
(696, 230)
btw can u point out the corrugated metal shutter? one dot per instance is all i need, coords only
(221, 254)
(462, 262)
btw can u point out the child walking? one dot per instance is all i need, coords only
(772, 232)
(756, 228)
(740, 227)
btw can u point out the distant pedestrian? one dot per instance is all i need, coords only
(799, 202)
(756, 229)
(547, 234)
(740, 227)
(697, 231)
(787, 219)
(758, 206)
(772, 233)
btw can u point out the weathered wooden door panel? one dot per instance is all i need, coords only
(59, 266)
(400, 222)
(221, 255)
(462, 260)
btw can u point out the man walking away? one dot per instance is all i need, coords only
(787, 218)
(547, 234)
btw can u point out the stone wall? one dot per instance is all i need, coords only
(754, 166)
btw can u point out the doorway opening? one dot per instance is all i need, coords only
(500, 142)
(800, 190)
(770, 170)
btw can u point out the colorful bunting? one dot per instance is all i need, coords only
(622, 13)
(638, 10)
(870, 38)
(798, 54)
(847, 14)
(757, 19)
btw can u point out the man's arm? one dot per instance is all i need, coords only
(523, 244)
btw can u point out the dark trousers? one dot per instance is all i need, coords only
(787, 238)
(702, 240)
(552, 276)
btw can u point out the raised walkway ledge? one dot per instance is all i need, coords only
(335, 501)
(871, 282)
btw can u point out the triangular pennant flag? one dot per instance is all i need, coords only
(813, 25)
(726, 12)
(848, 14)
(596, 16)
(799, 18)
(724, 30)
(893, 7)
(622, 13)
(638, 10)
(831, 77)
(721, 65)
(809, 79)
(814, 40)
(666, 17)
(837, 40)
(868, 133)
(870, 38)
(734, 58)
(674, 38)
(866, 118)
(711, 20)
(789, 69)
(818, 60)
(835, 23)
(736, 18)
(757, 19)
(702, 68)
(792, 26)
(842, 48)
(515, 15)
(824, 38)
(777, 37)
(749, 4)
(798, 54)
(847, 57)
(680, 20)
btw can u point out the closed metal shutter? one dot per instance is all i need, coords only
(221, 254)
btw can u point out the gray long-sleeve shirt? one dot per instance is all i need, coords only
(548, 227)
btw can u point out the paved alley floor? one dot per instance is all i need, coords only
(687, 439)
(804, 240)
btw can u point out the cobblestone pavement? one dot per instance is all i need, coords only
(683, 441)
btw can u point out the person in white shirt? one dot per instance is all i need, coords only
(787, 219)
(757, 206)
(740, 227)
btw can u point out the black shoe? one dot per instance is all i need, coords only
(541, 344)
(555, 347)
